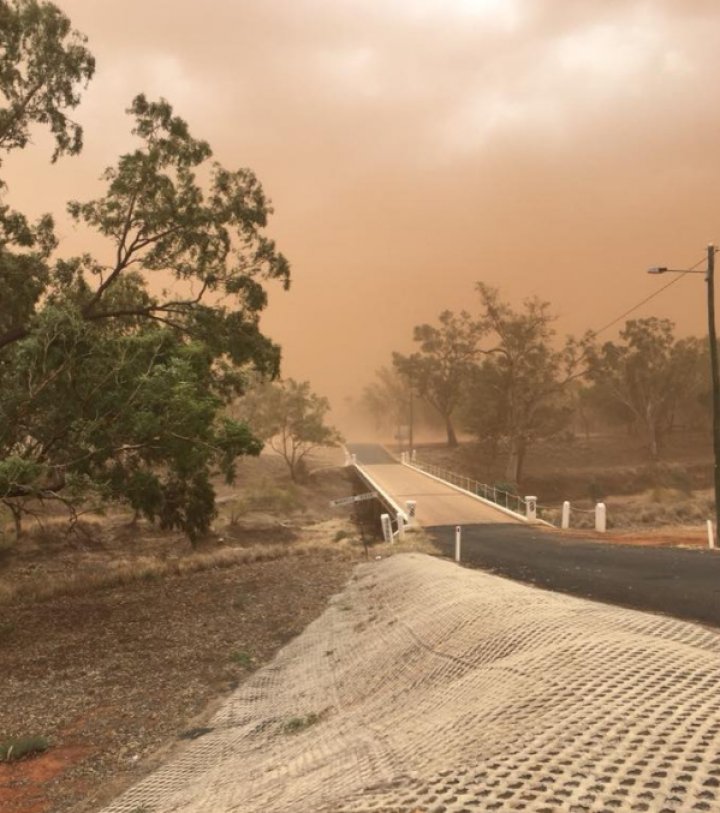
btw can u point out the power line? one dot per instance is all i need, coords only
(647, 299)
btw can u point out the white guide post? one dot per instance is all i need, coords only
(411, 507)
(458, 536)
(353, 459)
(401, 526)
(531, 508)
(565, 520)
(386, 528)
(600, 517)
(414, 455)
(711, 534)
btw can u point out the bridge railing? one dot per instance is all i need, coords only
(505, 499)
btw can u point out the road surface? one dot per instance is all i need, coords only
(680, 582)
(437, 503)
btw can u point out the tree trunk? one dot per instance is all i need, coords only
(516, 461)
(16, 512)
(653, 442)
(452, 440)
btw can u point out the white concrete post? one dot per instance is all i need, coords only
(531, 508)
(353, 459)
(401, 526)
(411, 506)
(458, 536)
(386, 528)
(600, 517)
(414, 455)
(711, 534)
(565, 521)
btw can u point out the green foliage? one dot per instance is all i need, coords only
(241, 659)
(42, 63)
(296, 724)
(108, 384)
(516, 395)
(13, 749)
(291, 418)
(646, 377)
(439, 371)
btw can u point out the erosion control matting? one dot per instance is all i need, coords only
(430, 687)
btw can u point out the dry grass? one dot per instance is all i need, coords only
(655, 508)
(334, 536)
(147, 568)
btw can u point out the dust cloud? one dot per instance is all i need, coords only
(412, 148)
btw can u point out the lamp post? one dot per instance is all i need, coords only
(712, 338)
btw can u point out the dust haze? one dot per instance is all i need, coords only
(548, 148)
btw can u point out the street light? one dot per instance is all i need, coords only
(712, 338)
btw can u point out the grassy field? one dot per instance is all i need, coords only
(612, 468)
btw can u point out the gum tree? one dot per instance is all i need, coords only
(440, 370)
(291, 418)
(114, 369)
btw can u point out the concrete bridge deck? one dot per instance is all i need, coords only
(437, 503)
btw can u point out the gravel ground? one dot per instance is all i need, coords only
(113, 678)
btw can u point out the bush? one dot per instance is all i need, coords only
(14, 749)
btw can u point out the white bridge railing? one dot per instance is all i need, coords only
(505, 499)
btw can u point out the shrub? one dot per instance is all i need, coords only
(295, 724)
(14, 749)
(241, 659)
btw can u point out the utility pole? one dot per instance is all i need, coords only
(715, 378)
(411, 438)
(715, 372)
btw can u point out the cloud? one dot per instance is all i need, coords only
(415, 146)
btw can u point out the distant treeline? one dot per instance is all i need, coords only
(503, 376)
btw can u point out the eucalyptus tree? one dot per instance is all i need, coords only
(647, 376)
(291, 419)
(114, 369)
(440, 371)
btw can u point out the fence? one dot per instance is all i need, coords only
(505, 499)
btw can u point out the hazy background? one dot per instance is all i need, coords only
(412, 147)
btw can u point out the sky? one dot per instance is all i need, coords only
(555, 148)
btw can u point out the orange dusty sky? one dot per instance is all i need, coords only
(412, 147)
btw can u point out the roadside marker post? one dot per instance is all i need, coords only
(411, 506)
(565, 521)
(386, 528)
(530, 508)
(600, 517)
(401, 526)
(458, 537)
(711, 534)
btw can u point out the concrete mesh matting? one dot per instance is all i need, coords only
(441, 689)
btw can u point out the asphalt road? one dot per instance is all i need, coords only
(675, 581)
(369, 454)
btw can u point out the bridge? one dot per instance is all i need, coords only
(437, 503)
(679, 582)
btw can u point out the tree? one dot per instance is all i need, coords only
(647, 376)
(441, 369)
(105, 386)
(42, 63)
(517, 393)
(131, 416)
(291, 419)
